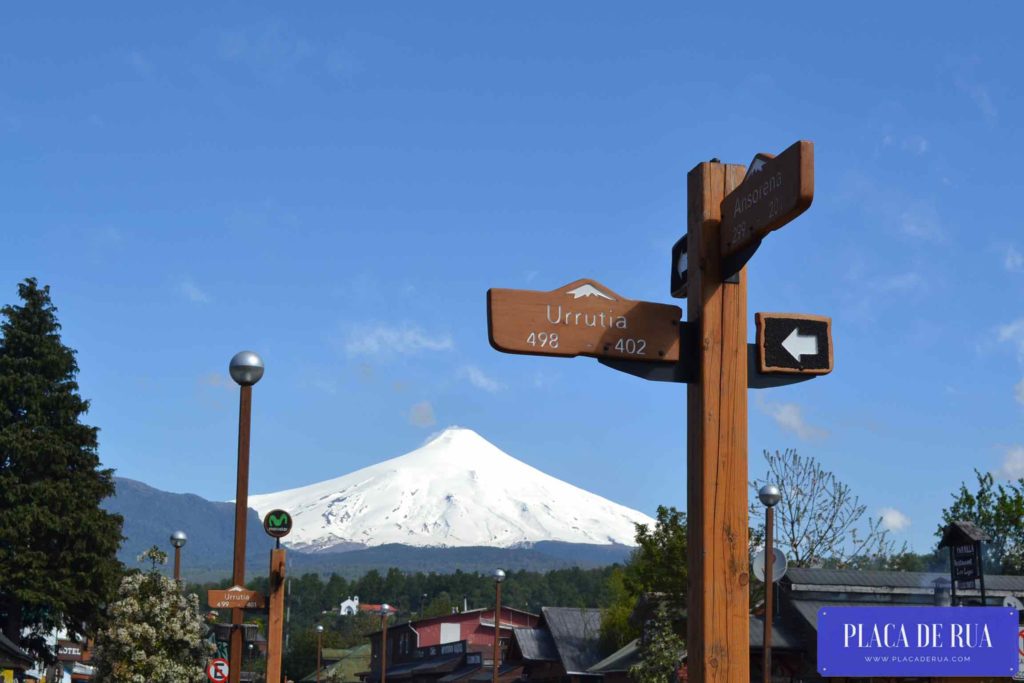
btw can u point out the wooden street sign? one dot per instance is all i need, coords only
(583, 318)
(794, 343)
(775, 190)
(236, 597)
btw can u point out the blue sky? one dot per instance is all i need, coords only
(336, 185)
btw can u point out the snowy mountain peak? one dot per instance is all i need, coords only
(457, 489)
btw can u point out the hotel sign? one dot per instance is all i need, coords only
(917, 641)
(69, 651)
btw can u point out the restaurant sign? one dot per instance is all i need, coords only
(917, 641)
(966, 566)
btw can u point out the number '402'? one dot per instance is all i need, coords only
(635, 346)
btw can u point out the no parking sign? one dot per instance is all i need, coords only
(217, 670)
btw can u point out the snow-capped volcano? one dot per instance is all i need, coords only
(456, 490)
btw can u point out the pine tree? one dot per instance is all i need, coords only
(58, 548)
(661, 652)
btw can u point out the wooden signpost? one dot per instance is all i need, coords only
(730, 208)
(583, 318)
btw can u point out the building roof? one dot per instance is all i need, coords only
(576, 632)
(10, 651)
(620, 660)
(536, 644)
(350, 662)
(878, 581)
(783, 635)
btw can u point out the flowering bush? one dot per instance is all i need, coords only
(154, 633)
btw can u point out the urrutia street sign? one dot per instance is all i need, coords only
(794, 343)
(775, 191)
(583, 318)
(236, 597)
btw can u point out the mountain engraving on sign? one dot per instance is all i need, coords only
(583, 318)
(775, 191)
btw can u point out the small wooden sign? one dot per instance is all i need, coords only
(69, 651)
(775, 190)
(583, 318)
(236, 598)
(794, 343)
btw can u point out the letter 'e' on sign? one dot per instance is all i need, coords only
(794, 343)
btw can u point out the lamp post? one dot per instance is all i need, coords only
(384, 609)
(770, 497)
(246, 368)
(499, 576)
(178, 540)
(319, 648)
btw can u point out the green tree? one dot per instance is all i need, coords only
(155, 634)
(58, 548)
(998, 509)
(661, 651)
(658, 565)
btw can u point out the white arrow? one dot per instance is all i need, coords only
(798, 345)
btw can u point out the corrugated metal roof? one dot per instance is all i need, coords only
(884, 579)
(576, 632)
(783, 637)
(8, 648)
(536, 644)
(620, 660)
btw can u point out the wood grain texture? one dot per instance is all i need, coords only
(275, 616)
(718, 634)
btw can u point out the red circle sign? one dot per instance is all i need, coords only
(217, 670)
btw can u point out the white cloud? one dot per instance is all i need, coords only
(479, 379)
(893, 519)
(789, 417)
(916, 144)
(193, 293)
(378, 339)
(422, 415)
(922, 222)
(1013, 261)
(217, 380)
(904, 283)
(1013, 463)
(977, 91)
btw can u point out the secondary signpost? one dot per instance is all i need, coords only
(277, 524)
(236, 597)
(730, 209)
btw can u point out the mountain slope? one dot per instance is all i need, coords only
(151, 516)
(457, 490)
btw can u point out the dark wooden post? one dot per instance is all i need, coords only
(241, 512)
(275, 616)
(718, 628)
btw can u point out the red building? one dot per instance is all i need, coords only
(473, 630)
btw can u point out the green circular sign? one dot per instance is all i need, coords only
(277, 523)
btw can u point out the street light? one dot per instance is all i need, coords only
(384, 609)
(770, 497)
(246, 368)
(499, 576)
(319, 648)
(178, 540)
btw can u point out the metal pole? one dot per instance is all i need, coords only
(384, 650)
(769, 589)
(319, 641)
(177, 564)
(241, 512)
(497, 631)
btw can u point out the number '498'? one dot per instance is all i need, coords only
(543, 339)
